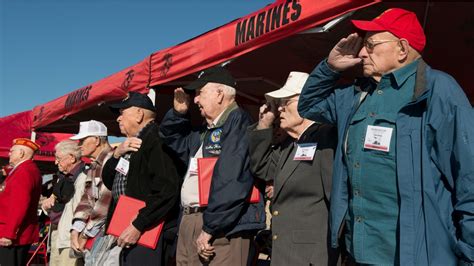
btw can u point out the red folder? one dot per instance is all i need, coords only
(124, 214)
(205, 170)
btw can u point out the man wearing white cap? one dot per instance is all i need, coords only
(91, 212)
(301, 168)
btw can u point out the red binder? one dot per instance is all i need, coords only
(205, 170)
(124, 214)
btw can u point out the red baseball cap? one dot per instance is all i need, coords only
(400, 22)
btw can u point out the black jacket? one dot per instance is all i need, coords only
(152, 177)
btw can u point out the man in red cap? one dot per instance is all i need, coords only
(19, 204)
(403, 168)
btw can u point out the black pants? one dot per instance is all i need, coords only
(14, 255)
(162, 255)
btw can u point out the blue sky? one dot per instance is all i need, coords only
(51, 47)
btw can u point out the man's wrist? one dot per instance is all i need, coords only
(83, 236)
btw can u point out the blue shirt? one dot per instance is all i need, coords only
(372, 217)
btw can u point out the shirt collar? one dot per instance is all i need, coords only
(402, 74)
(76, 170)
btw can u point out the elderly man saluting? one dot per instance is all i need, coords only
(301, 170)
(404, 169)
(221, 233)
(19, 204)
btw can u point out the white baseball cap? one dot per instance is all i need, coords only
(293, 86)
(90, 128)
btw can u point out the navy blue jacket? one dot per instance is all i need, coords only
(228, 212)
(435, 162)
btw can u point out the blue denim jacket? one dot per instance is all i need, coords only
(435, 162)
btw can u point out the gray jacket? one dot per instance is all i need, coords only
(300, 203)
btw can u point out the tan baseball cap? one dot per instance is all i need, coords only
(293, 86)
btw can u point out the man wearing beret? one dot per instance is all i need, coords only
(220, 233)
(19, 204)
(404, 172)
(143, 167)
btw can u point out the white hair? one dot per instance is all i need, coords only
(69, 147)
(228, 90)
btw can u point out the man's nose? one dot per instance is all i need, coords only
(363, 53)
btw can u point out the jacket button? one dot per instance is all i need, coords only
(357, 165)
(358, 219)
(379, 92)
(372, 114)
(275, 213)
(274, 237)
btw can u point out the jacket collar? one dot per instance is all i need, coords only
(225, 115)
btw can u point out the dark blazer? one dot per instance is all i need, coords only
(300, 203)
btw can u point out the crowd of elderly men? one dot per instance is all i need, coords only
(377, 172)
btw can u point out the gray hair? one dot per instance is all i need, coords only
(69, 147)
(228, 90)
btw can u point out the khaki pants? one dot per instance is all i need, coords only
(60, 257)
(228, 251)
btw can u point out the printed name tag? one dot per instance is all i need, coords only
(305, 152)
(122, 166)
(193, 166)
(378, 138)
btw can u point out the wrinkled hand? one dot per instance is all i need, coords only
(128, 237)
(345, 54)
(269, 191)
(181, 101)
(5, 242)
(204, 248)
(77, 243)
(267, 115)
(130, 144)
(48, 203)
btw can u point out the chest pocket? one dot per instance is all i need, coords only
(387, 120)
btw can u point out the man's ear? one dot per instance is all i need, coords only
(404, 49)
(220, 95)
(140, 115)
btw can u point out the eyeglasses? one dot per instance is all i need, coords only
(370, 45)
(60, 159)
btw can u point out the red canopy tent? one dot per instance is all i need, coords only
(64, 113)
(264, 46)
(19, 126)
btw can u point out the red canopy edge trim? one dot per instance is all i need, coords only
(19, 126)
(111, 88)
(225, 42)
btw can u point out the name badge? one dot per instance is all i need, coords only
(305, 152)
(378, 138)
(122, 166)
(193, 166)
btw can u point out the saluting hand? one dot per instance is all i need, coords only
(181, 101)
(345, 54)
(267, 115)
